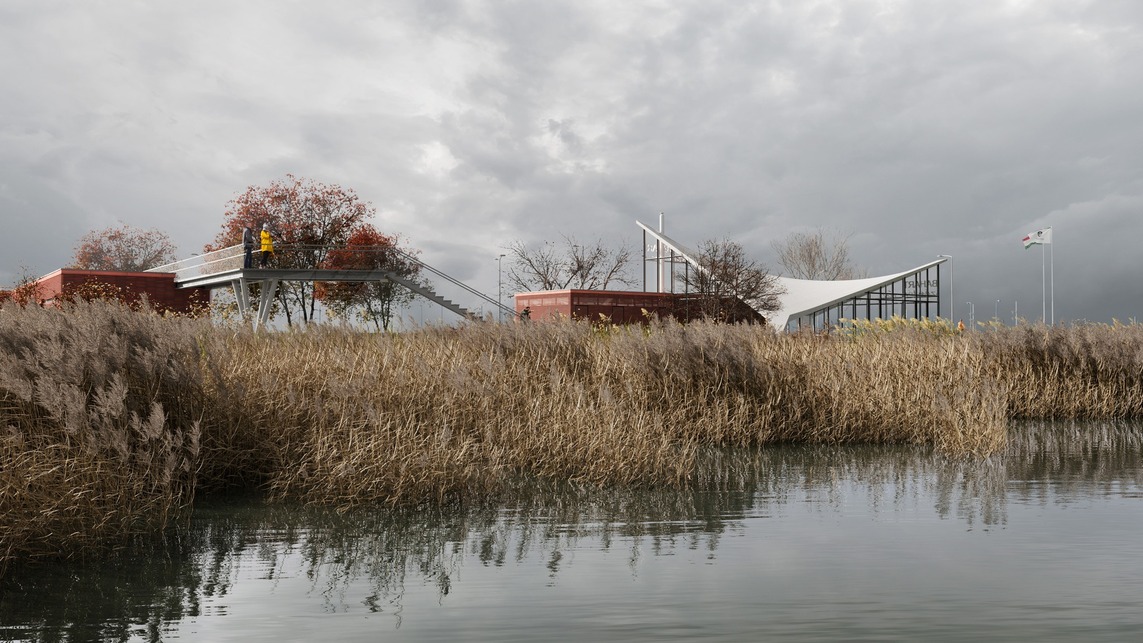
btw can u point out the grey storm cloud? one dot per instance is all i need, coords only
(921, 128)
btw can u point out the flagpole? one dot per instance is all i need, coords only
(1043, 288)
(1053, 279)
(1044, 237)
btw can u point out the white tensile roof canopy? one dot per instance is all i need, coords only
(806, 299)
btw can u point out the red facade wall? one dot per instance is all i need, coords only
(158, 287)
(620, 307)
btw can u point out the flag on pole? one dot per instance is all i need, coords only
(1039, 236)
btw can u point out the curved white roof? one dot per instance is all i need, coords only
(804, 296)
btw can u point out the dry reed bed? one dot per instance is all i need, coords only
(98, 430)
(1081, 371)
(342, 417)
(112, 418)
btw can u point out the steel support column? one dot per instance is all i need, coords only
(269, 291)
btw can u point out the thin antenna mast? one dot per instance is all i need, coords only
(660, 265)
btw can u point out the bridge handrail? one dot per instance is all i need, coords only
(407, 257)
(207, 263)
(462, 285)
(230, 258)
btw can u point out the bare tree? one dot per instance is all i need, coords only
(728, 286)
(816, 255)
(554, 266)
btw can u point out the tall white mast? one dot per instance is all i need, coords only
(660, 261)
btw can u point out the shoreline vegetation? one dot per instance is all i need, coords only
(112, 420)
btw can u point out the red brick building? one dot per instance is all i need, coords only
(131, 287)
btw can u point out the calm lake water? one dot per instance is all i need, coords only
(795, 543)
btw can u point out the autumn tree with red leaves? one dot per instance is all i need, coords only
(123, 249)
(374, 301)
(306, 219)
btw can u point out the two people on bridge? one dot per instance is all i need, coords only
(248, 246)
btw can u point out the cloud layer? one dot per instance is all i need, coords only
(923, 128)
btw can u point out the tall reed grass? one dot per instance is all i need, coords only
(1081, 371)
(113, 418)
(98, 429)
(341, 417)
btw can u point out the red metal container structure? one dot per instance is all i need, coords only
(619, 307)
(158, 288)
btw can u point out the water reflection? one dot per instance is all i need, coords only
(366, 559)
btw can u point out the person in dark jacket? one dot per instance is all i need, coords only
(248, 247)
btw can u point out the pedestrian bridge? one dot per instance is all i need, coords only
(226, 268)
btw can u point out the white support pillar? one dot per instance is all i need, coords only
(269, 290)
(241, 295)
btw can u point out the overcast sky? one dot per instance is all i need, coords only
(921, 127)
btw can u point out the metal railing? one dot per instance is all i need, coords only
(207, 263)
(463, 286)
(293, 257)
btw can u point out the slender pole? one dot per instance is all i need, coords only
(1053, 264)
(1043, 286)
(499, 291)
(996, 310)
(662, 267)
(952, 298)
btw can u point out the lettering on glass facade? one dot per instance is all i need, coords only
(925, 286)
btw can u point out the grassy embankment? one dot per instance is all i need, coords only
(113, 419)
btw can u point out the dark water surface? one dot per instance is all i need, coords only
(791, 543)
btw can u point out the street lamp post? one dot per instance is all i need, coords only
(499, 291)
(996, 310)
(971, 314)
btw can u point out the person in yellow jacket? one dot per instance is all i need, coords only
(267, 246)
